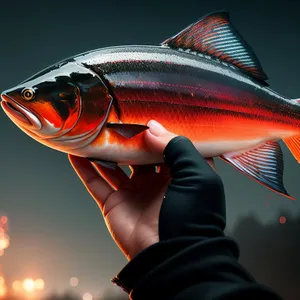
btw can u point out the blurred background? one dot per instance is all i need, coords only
(53, 241)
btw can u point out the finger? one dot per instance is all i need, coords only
(115, 178)
(94, 183)
(157, 136)
(211, 162)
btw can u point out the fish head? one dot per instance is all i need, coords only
(47, 108)
(59, 106)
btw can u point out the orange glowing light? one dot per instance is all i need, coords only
(2, 287)
(87, 296)
(1, 231)
(4, 242)
(282, 220)
(4, 219)
(28, 285)
(39, 284)
(74, 281)
(17, 286)
(2, 291)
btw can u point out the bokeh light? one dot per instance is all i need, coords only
(17, 286)
(28, 285)
(74, 281)
(2, 291)
(87, 296)
(4, 242)
(2, 287)
(39, 284)
(1, 252)
(282, 220)
(4, 219)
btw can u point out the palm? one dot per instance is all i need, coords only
(130, 206)
(131, 212)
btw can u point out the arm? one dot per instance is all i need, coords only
(193, 258)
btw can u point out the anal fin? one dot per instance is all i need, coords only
(263, 164)
(293, 143)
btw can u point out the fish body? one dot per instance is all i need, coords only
(217, 107)
(204, 83)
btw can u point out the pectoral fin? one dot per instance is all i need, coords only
(127, 130)
(263, 164)
(104, 163)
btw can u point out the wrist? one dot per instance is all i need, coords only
(143, 245)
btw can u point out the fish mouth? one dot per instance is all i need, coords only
(19, 113)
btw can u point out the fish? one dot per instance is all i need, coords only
(205, 83)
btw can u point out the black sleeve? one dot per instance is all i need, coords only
(193, 259)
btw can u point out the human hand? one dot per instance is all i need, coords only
(130, 206)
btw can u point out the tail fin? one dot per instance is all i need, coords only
(293, 143)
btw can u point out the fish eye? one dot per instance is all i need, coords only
(28, 94)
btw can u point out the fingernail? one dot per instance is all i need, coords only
(156, 128)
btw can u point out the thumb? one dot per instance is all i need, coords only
(157, 137)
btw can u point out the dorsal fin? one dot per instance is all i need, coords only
(215, 36)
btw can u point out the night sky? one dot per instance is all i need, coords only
(56, 228)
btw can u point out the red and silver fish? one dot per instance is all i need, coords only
(205, 83)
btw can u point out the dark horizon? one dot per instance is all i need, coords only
(56, 229)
